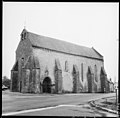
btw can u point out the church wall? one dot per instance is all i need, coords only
(24, 50)
(47, 62)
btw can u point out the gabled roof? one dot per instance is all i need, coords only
(62, 46)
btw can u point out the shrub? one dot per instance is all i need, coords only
(6, 82)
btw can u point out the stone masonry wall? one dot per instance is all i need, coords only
(47, 60)
(24, 50)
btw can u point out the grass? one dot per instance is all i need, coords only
(109, 103)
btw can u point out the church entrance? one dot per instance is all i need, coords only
(47, 85)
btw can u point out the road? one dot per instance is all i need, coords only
(52, 104)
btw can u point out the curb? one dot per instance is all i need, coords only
(92, 103)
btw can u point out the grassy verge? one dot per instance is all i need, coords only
(109, 103)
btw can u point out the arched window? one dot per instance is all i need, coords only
(82, 71)
(96, 77)
(66, 66)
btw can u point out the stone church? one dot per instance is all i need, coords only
(48, 65)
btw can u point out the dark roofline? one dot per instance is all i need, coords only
(68, 53)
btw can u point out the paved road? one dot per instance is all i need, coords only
(83, 110)
(20, 102)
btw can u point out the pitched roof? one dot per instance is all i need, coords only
(63, 46)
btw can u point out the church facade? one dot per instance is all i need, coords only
(48, 65)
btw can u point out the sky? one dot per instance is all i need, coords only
(86, 24)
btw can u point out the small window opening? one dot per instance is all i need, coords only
(66, 66)
(96, 77)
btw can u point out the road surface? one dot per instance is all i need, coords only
(52, 104)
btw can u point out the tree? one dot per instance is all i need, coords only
(6, 81)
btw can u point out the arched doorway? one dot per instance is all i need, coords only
(47, 85)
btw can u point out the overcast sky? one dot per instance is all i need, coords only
(87, 24)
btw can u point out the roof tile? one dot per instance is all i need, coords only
(62, 46)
